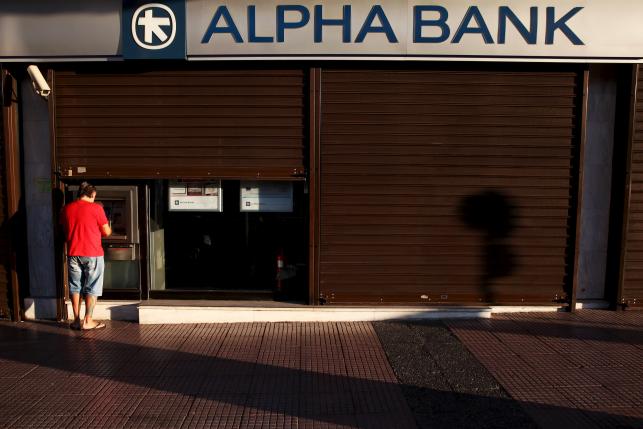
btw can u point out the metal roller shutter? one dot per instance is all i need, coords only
(422, 171)
(632, 276)
(190, 123)
(5, 285)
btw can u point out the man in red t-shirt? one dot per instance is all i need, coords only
(85, 223)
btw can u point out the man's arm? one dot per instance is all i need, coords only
(102, 221)
(106, 230)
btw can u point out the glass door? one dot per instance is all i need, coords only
(222, 251)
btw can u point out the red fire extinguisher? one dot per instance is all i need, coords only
(280, 267)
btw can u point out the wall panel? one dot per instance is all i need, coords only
(188, 123)
(447, 186)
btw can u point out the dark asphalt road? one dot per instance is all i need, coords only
(443, 383)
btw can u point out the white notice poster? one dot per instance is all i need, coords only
(195, 196)
(266, 197)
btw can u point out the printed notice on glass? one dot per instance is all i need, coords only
(195, 196)
(266, 197)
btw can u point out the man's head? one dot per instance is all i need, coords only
(87, 192)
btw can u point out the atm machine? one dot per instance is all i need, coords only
(122, 248)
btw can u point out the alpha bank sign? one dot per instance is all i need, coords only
(574, 30)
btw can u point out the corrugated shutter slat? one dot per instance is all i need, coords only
(632, 285)
(403, 151)
(193, 123)
(4, 236)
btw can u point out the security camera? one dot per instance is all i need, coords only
(39, 82)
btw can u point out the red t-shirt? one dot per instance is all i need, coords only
(82, 221)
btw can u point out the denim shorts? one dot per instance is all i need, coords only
(86, 275)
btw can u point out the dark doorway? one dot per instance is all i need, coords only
(210, 252)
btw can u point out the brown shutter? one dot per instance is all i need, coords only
(632, 276)
(198, 123)
(417, 169)
(4, 230)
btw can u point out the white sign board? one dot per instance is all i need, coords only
(266, 197)
(442, 30)
(530, 30)
(195, 196)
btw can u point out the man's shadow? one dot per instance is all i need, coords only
(494, 215)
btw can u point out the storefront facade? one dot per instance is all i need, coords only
(346, 154)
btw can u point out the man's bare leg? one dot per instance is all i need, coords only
(75, 305)
(90, 303)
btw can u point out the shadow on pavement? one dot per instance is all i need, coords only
(174, 376)
(430, 361)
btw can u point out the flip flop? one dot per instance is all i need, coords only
(100, 325)
(75, 326)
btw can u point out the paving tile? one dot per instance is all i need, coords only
(268, 403)
(57, 404)
(589, 358)
(213, 421)
(7, 385)
(334, 421)
(230, 366)
(40, 421)
(16, 406)
(633, 393)
(219, 405)
(318, 404)
(184, 385)
(568, 377)
(82, 384)
(90, 421)
(542, 396)
(592, 371)
(114, 405)
(327, 383)
(165, 404)
(284, 384)
(380, 401)
(192, 367)
(595, 397)
(142, 368)
(10, 368)
(155, 421)
(385, 421)
(616, 376)
(224, 384)
(43, 373)
(559, 417)
(617, 418)
(127, 385)
(269, 420)
(549, 362)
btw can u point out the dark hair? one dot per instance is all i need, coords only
(86, 189)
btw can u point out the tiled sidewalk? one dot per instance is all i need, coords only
(567, 370)
(198, 376)
(580, 370)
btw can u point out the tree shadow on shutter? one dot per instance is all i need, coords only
(493, 214)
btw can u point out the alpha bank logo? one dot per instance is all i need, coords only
(154, 30)
(157, 23)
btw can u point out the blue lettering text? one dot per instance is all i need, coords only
(530, 36)
(385, 27)
(252, 28)
(561, 24)
(441, 23)
(482, 29)
(281, 19)
(230, 28)
(344, 22)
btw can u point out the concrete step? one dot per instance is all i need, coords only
(207, 311)
(154, 312)
(109, 310)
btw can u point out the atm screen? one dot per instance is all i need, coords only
(116, 212)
